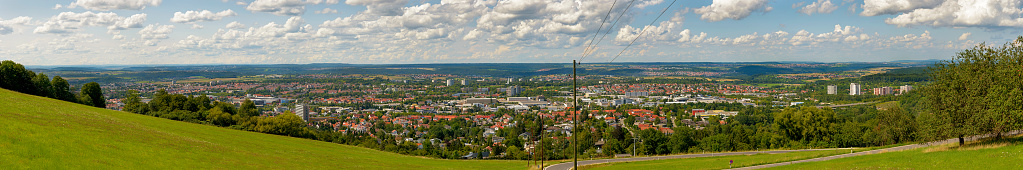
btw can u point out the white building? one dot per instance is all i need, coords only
(854, 89)
(302, 110)
(832, 89)
(463, 82)
(450, 82)
(905, 89)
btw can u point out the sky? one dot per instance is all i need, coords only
(130, 32)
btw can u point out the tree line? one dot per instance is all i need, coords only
(201, 110)
(14, 77)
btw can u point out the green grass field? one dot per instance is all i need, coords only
(1000, 154)
(719, 162)
(37, 132)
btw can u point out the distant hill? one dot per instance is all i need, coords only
(37, 132)
(762, 70)
(910, 74)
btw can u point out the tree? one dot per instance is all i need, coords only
(133, 104)
(248, 108)
(973, 92)
(894, 126)
(806, 123)
(15, 77)
(42, 85)
(61, 90)
(92, 95)
(219, 117)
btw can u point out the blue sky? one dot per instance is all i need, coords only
(77, 32)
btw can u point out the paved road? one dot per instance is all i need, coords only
(899, 148)
(568, 165)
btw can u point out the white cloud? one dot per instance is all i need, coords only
(21, 20)
(58, 6)
(156, 31)
(235, 25)
(661, 32)
(326, 11)
(380, 7)
(66, 22)
(133, 21)
(204, 15)
(821, 6)
(881, 7)
(106, 5)
(964, 36)
(731, 9)
(964, 13)
(4, 29)
(472, 35)
(282, 7)
(644, 4)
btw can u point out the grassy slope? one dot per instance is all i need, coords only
(1006, 154)
(720, 162)
(40, 132)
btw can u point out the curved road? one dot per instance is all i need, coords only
(899, 148)
(568, 165)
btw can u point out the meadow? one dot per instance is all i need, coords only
(38, 132)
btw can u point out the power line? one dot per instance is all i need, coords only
(588, 51)
(598, 29)
(643, 31)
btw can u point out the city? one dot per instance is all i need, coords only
(511, 84)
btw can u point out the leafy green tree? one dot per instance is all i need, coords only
(219, 117)
(973, 92)
(248, 108)
(62, 90)
(894, 126)
(806, 123)
(42, 85)
(133, 104)
(14, 76)
(92, 95)
(654, 142)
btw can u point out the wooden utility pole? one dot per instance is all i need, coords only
(575, 119)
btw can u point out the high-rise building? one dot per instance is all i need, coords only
(883, 91)
(463, 82)
(905, 89)
(514, 90)
(450, 82)
(302, 110)
(854, 89)
(832, 89)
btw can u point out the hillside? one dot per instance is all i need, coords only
(987, 154)
(37, 132)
